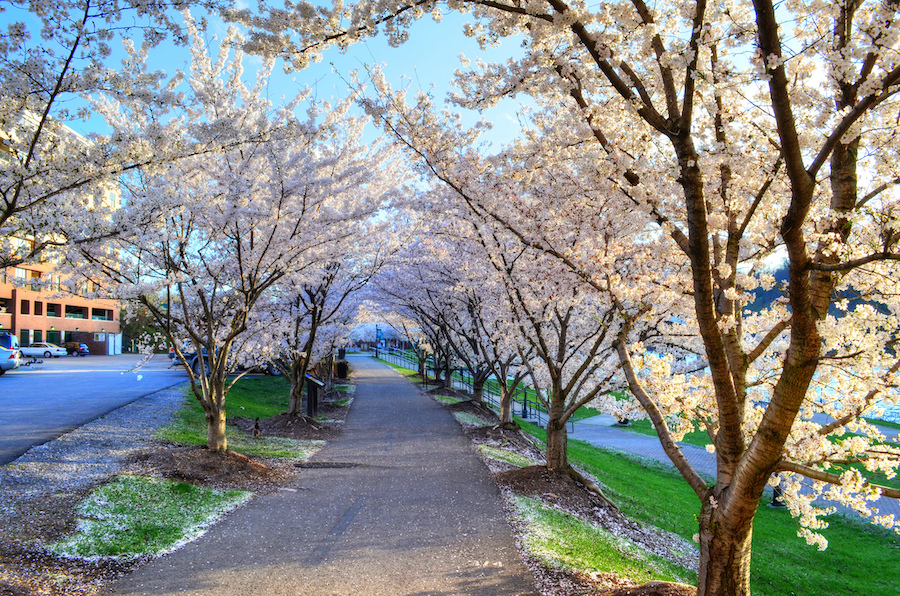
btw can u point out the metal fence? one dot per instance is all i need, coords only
(524, 405)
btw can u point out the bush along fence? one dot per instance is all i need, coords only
(525, 401)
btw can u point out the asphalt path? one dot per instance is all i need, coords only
(42, 401)
(398, 505)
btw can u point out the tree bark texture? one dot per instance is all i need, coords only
(215, 430)
(557, 437)
(506, 405)
(725, 547)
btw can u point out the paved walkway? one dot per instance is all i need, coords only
(401, 506)
(601, 431)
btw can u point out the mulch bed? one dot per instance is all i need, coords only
(211, 469)
(553, 486)
(286, 425)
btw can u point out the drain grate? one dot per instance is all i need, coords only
(326, 464)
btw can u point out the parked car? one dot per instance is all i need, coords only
(10, 355)
(77, 349)
(45, 349)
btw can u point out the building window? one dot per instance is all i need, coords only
(38, 336)
(35, 275)
(101, 314)
(53, 310)
(100, 337)
(76, 312)
(24, 337)
(26, 307)
(38, 308)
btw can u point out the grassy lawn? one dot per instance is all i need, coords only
(860, 559)
(883, 423)
(645, 427)
(401, 369)
(701, 439)
(562, 540)
(258, 397)
(135, 516)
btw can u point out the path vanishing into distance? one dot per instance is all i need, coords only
(400, 505)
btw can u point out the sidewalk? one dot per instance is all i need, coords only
(602, 432)
(398, 505)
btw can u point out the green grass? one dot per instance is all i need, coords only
(401, 369)
(562, 540)
(258, 397)
(188, 426)
(698, 437)
(447, 399)
(506, 455)
(134, 516)
(883, 423)
(467, 419)
(782, 563)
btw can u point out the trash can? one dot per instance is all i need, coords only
(343, 369)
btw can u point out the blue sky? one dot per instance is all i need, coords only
(427, 61)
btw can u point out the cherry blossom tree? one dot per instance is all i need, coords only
(787, 148)
(223, 229)
(51, 56)
(328, 296)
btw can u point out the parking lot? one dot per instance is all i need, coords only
(40, 401)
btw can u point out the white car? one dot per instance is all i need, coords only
(43, 348)
(9, 352)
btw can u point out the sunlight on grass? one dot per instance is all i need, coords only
(506, 455)
(447, 400)
(782, 564)
(467, 419)
(134, 516)
(564, 541)
(189, 427)
(257, 397)
(400, 369)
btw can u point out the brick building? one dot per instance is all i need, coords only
(43, 313)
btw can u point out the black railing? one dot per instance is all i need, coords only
(524, 405)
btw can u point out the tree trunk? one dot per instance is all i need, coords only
(506, 404)
(298, 378)
(215, 430)
(448, 374)
(557, 438)
(478, 390)
(724, 554)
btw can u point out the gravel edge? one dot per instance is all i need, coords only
(90, 454)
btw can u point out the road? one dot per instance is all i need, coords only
(45, 400)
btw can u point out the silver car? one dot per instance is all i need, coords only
(43, 348)
(9, 352)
